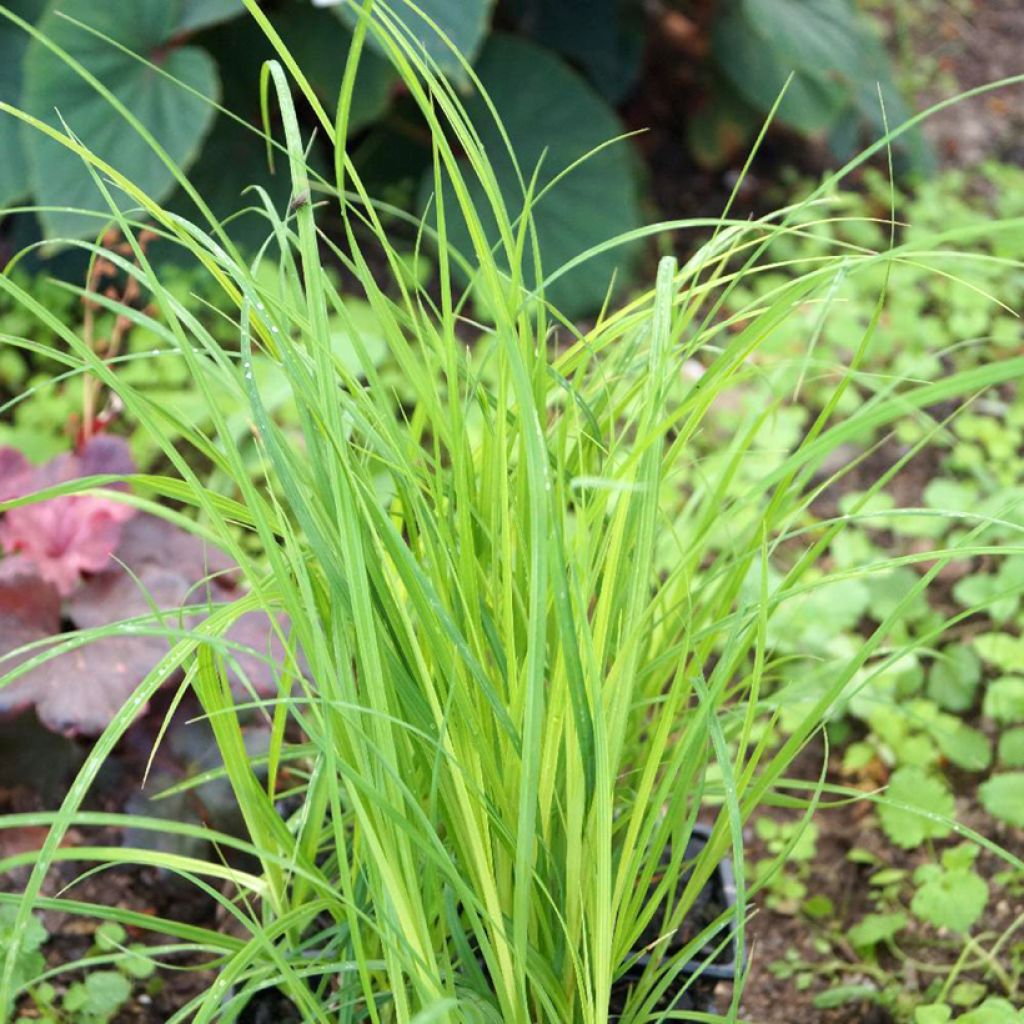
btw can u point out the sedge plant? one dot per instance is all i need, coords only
(525, 632)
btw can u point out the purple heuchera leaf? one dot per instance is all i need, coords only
(156, 566)
(15, 473)
(75, 533)
(29, 612)
(65, 536)
(256, 655)
(162, 566)
(105, 455)
(77, 693)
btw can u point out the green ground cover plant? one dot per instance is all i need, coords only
(530, 626)
(113, 967)
(941, 704)
(933, 323)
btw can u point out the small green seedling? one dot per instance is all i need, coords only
(101, 993)
(795, 842)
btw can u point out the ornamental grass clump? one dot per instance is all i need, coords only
(523, 634)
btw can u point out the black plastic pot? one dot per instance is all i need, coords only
(695, 985)
(270, 1007)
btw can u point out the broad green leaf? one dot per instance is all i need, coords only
(838, 65)
(198, 14)
(1003, 797)
(604, 38)
(953, 678)
(34, 936)
(965, 747)
(176, 118)
(1011, 748)
(999, 649)
(234, 157)
(138, 964)
(1004, 700)
(968, 993)
(30, 962)
(951, 899)
(553, 118)
(818, 908)
(320, 45)
(814, 621)
(14, 179)
(463, 23)
(915, 788)
(760, 43)
(99, 996)
(888, 590)
(875, 928)
(951, 496)
(994, 1010)
(987, 591)
(842, 995)
(232, 160)
(110, 936)
(962, 857)
(364, 341)
(934, 1013)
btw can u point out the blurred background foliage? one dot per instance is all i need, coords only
(565, 75)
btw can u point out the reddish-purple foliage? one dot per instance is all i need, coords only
(66, 536)
(14, 474)
(108, 564)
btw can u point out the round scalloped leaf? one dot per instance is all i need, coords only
(1011, 748)
(14, 180)
(1003, 797)
(553, 119)
(464, 23)
(995, 1010)
(953, 679)
(951, 899)
(55, 91)
(875, 928)
(913, 788)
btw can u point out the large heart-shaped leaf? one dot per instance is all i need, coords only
(197, 14)
(14, 180)
(759, 43)
(553, 119)
(838, 65)
(913, 788)
(319, 43)
(77, 693)
(174, 117)
(62, 537)
(234, 156)
(464, 23)
(605, 38)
